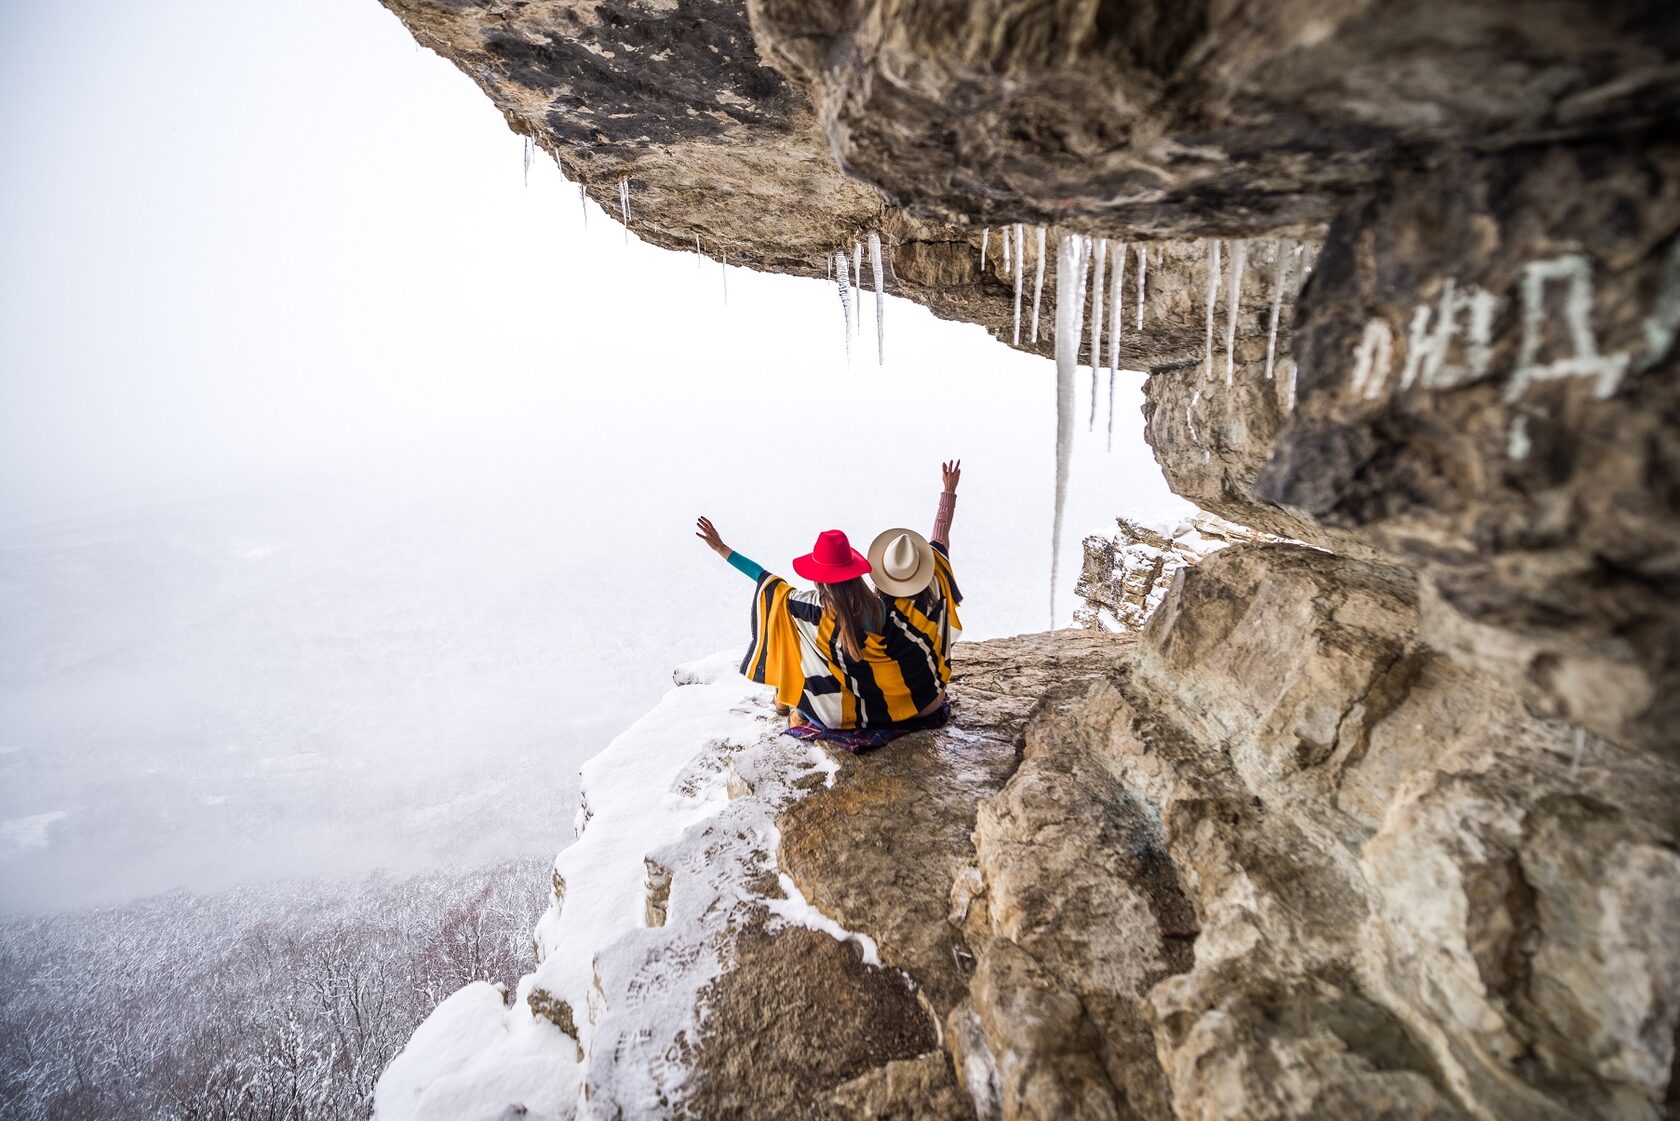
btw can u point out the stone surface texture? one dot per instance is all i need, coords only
(1375, 812)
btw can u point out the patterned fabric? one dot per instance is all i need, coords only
(860, 740)
(796, 649)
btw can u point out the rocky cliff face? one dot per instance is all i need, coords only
(1381, 820)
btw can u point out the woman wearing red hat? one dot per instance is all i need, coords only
(859, 664)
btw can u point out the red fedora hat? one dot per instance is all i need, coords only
(832, 560)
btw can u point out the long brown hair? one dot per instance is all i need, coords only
(857, 611)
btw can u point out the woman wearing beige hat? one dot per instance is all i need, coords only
(859, 666)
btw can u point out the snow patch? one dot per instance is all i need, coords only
(797, 910)
(475, 1058)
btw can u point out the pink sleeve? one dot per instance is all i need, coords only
(942, 520)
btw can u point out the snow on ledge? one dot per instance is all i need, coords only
(677, 822)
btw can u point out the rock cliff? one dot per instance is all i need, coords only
(1374, 815)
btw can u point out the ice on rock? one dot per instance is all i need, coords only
(1284, 257)
(985, 236)
(843, 282)
(857, 287)
(1212, 302)
(1099, 265)
(1116, 325)
(1233, 297)
(1071, 253)
(1143, 273)
(1038, 282)
(880, 299)
(1020, 255)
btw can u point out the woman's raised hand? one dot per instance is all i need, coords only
(707, 532)
(951, 472)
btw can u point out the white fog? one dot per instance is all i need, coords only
(348, 482)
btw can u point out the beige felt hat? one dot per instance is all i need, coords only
(900, 562)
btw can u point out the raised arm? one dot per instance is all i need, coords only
(950, 472)
(707, 532)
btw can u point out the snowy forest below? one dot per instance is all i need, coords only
(279, 1002)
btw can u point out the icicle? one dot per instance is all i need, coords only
(857, 287)
(530, 148)
(880, 298)
(1143, 272)
(1280, 277)
(699, 257)
(829, 260)
(1038, 283)
(1006, 251)
(1070, 305)
(1233, 298)
(985, 235)
(624, 205)
(1020, 255)
(1116, 325)
(583, 204)
(844, 283)
(1098, 265)
(1212, 302)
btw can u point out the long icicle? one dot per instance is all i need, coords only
(1116, 326)
(1038, 283)
(985, 236)
(1020, 255)
(1006, 251)
(1070, 305)
(1097, 268)
(1143, 274)
(1233, 302)
(624, 205)
(530, 145)
(857, 287)
(843, 282)
(1280, 276)
(699, 257)
(880, 298)
(1212, 301)
(583, 204)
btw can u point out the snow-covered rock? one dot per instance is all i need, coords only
(1125, 576)
(668, 862)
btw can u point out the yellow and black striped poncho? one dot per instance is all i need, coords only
(797, 650)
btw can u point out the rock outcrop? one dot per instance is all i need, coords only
(1375, 816)
(1125, 577)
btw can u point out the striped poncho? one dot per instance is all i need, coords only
(904, 668)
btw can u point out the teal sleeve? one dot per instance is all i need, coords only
(747, 567)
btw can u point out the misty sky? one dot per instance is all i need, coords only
(332, 455)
